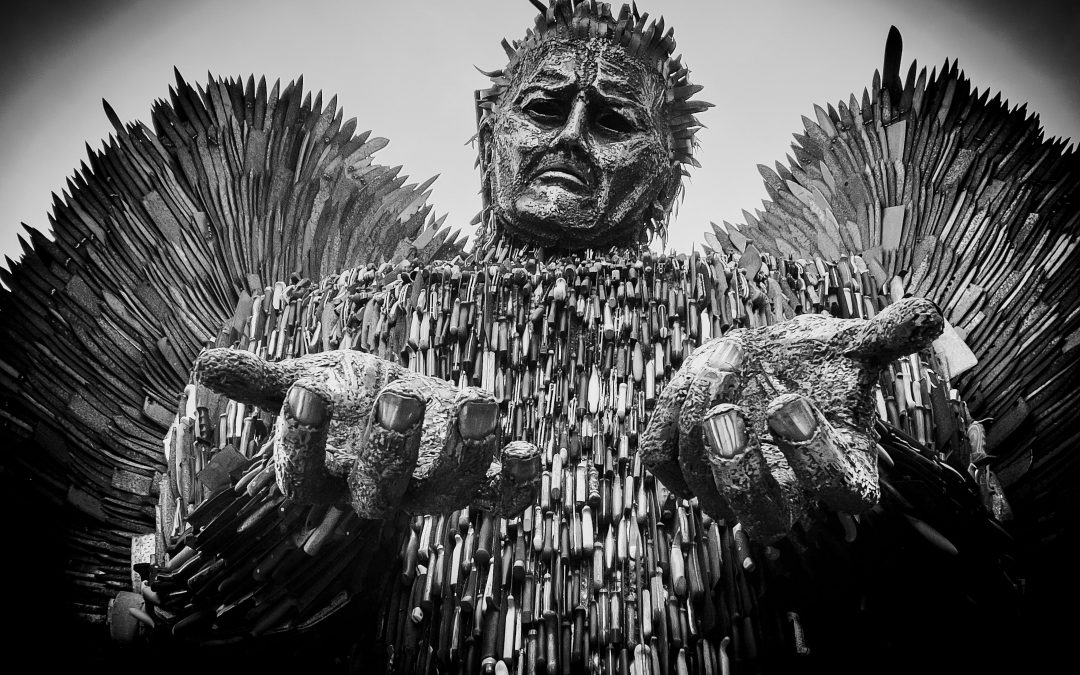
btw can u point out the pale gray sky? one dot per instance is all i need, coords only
(405, 70)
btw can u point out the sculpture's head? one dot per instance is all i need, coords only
(585, 134)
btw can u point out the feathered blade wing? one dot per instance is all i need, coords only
(945, 192)
(155, 242)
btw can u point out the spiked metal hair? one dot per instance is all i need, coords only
(642, 38)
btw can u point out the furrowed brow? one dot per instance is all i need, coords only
(619, 96)
(551, 77)
(618, 90)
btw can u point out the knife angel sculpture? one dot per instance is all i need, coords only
(256, 220)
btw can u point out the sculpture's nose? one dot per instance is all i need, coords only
(572, 133)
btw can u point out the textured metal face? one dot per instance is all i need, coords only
(580, 146)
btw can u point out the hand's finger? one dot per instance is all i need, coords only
(300, 446)
(246, 378)
(901, 328)
(389, 451)
(470, 443)
(839, 468)
(659, 444)
(457, 444)
(512, 481)
(743, 476)
(716, 381)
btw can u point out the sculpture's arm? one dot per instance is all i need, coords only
(760, 419)
(357, 427)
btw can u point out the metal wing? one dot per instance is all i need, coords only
(948, 193)
(154, 244)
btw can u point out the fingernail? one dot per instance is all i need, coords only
(307, 407)
(521, 461)
(398, 412)
(725, 430)
(477, 419)
(725, 386)
(728, 356)
(794, 420)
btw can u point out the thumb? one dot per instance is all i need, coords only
(244, 377)
(902, 328)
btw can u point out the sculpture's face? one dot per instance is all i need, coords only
(580, 146)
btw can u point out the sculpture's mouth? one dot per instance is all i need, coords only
(571, 174)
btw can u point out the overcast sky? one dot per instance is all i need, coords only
(405, 70)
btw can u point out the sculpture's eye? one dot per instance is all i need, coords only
(546, 111)
(613, 122)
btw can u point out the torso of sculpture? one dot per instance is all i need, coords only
(581, 150)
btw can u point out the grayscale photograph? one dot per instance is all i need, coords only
(540, 337)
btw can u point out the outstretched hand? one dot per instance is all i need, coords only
(760, 420)
(357, 428)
